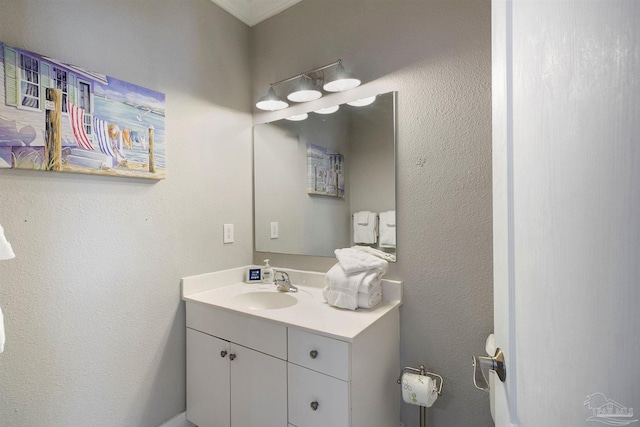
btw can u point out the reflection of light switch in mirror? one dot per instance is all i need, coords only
(274, 230)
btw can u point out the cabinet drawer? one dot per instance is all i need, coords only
(267, 337)
(319, 353)
(317, 400)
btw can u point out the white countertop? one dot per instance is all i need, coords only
(310, 312)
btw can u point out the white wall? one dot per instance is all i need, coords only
(437, 55)
(95, 327)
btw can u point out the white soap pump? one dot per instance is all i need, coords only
(267, 273)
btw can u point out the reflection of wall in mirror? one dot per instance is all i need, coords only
(308, 225)
(372, 159)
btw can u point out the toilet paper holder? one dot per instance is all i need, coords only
(422, 371)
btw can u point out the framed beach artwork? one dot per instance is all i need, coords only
(62, 118)
(325, 172)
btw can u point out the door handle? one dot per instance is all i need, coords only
(482, 365)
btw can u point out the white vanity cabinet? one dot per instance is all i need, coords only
(337, 383)
(229, 384)
(301, 365)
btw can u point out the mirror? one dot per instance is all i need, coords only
(313, 179)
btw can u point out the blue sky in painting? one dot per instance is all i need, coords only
(118, 90)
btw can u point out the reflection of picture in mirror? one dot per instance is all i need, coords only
(325, 173)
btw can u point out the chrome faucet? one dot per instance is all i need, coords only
(282, 281)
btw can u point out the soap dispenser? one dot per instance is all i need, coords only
(267, 273)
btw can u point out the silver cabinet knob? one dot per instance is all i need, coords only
(313, 354)
(223, 353)
(232, 356)
(314, 405)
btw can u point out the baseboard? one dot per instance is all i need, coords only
(179, 420)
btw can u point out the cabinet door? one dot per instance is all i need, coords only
(258, 389)
(208, 378)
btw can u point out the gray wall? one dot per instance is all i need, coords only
(437, 55)
(95, 327)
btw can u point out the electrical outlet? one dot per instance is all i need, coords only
(274, 230)
(228, 233)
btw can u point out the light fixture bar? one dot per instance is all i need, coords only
(324, 67)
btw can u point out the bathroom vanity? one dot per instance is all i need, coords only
(258, 357)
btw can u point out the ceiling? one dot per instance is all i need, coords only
(253, 11)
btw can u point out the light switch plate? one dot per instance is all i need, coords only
(227, 236)
(274, 230)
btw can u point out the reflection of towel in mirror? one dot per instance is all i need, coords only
(388, 229)
(1, 331)
(365, 227)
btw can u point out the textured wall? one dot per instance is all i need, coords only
(95, 327)
(437, 55)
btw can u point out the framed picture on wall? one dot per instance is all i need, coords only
(325, 172)
(58, 117)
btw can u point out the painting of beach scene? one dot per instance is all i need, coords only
(62, 118)
(325, 172)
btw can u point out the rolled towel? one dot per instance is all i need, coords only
(342, 289)
(354, 260)
(371, 280)
(369, 300)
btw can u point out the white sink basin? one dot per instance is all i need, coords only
(263, 300)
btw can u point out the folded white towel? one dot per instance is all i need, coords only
(1, 331)
(370, 300)
(388, 229)
(365, 230)
(371, 280)
(376, 252)
(354, 260)
(342, 288)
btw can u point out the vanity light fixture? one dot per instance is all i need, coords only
(362, 102)
(6, 251)
(308, 87)
(328, 110)
(341, 80)
(306, 90)
(271, 101)
(298, 117)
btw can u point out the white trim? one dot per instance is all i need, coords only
(253, 12)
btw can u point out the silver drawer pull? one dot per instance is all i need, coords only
(223, 353)
(314, 405)
(232, 356)
(313, 354)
